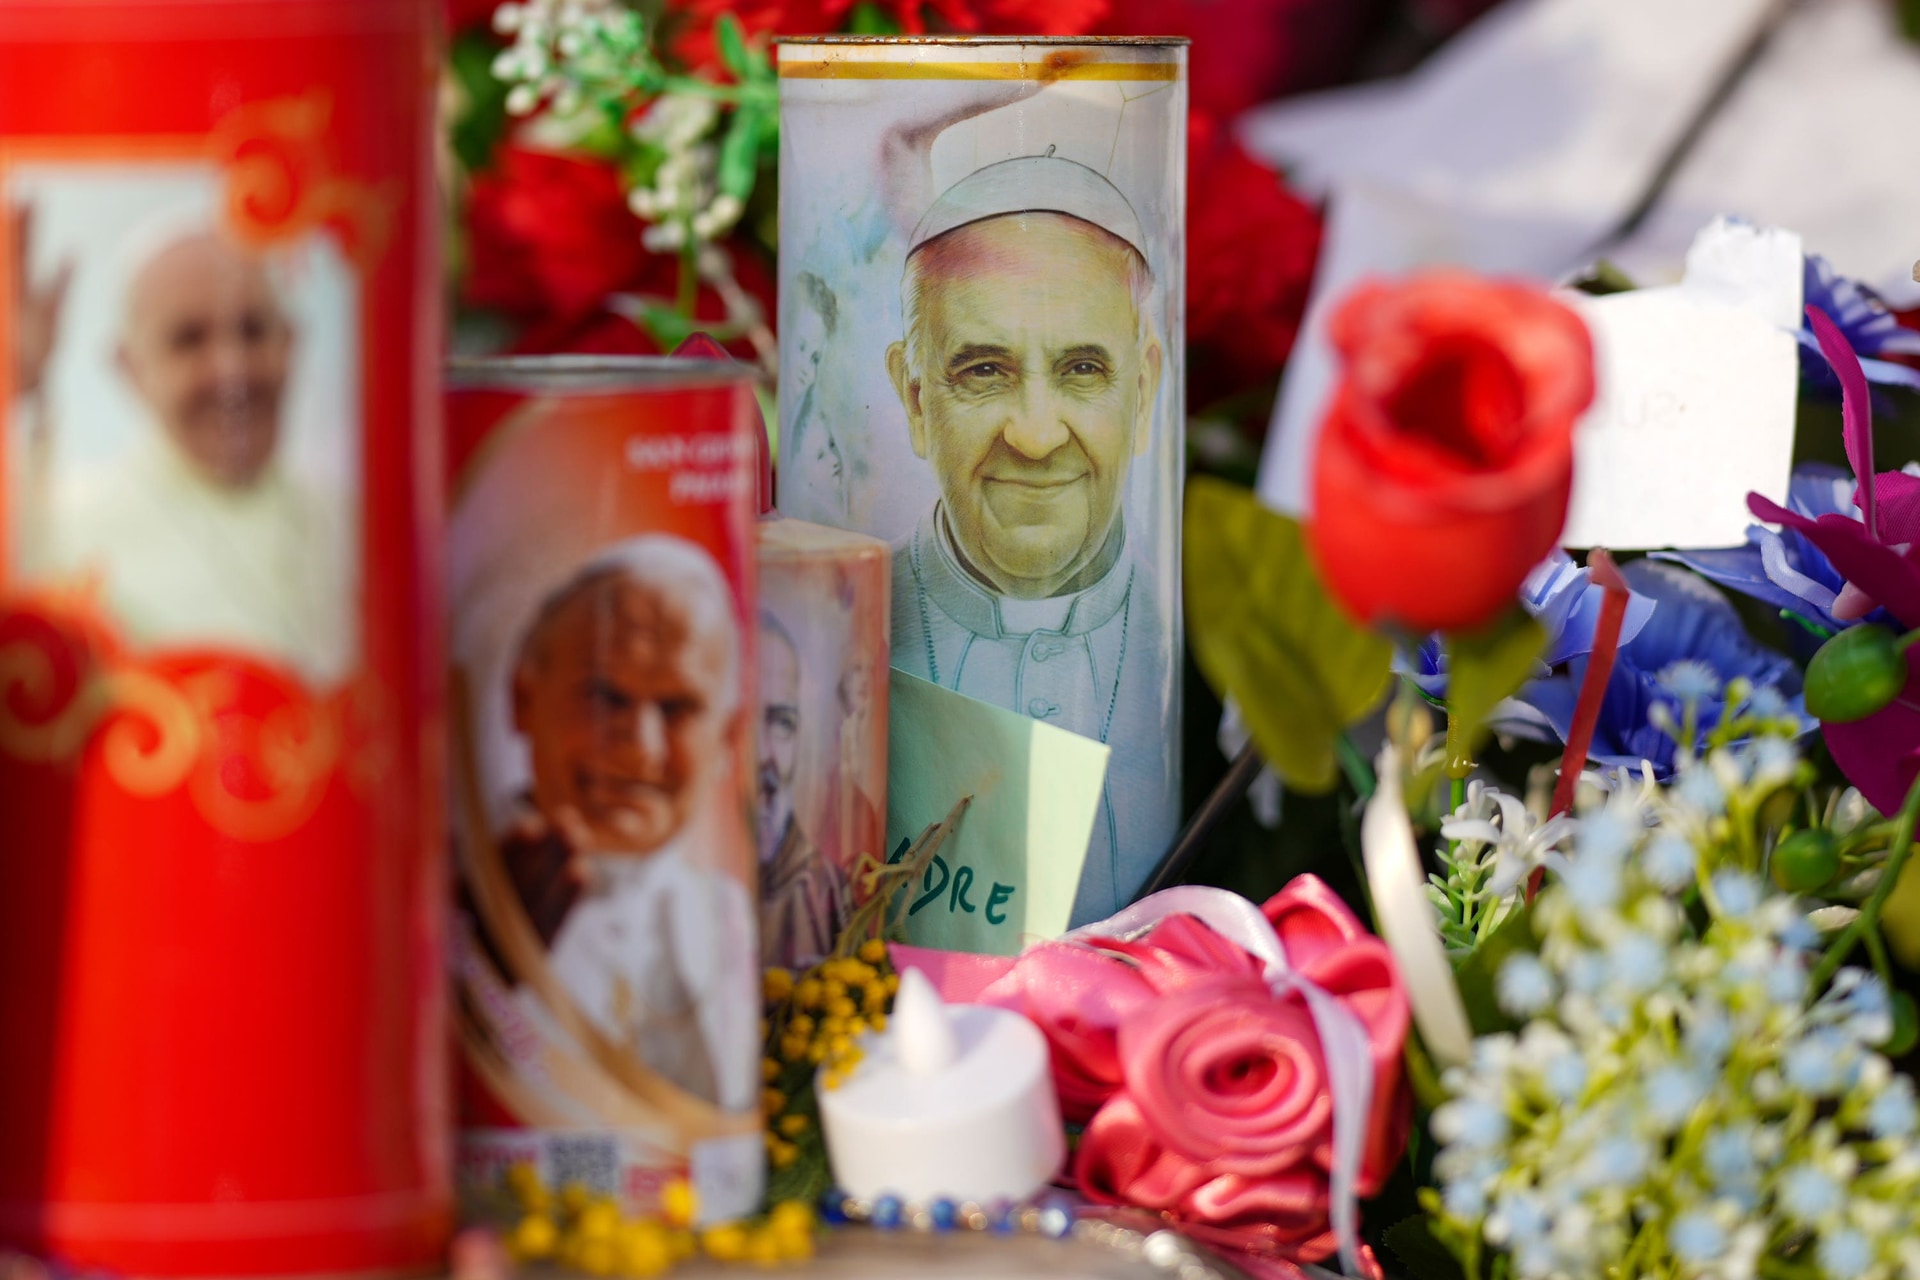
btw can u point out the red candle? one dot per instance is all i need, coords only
(221, 867)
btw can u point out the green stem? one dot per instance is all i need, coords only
(1421, 1075)
(1354, 765)
(1869, 917)
(689, 279)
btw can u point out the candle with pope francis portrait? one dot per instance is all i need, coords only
(981, 248)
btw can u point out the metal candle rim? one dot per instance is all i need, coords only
(974, 42)
(583, 373)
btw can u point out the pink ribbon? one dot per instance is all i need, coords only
(1221, 1056)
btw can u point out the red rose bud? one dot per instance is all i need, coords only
(1445, 464)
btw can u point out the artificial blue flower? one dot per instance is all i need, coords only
(1781, 568)
(1668, 861)
(1671, 1095)
(1893, 1114)
(1866, 321)
(1728, 1155)
(1562, 598)
(1808, 1194)
(1696, 1237)
(1524, 986)
(1844, 1252)
(1690, 622)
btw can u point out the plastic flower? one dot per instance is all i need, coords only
(1877, 556)
(1688, 653)
(1871, 329)
(1784, 569)
(1561, 597)
(1445, 464)
(1672, 1105)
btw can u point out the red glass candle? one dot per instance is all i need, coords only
(221, 867)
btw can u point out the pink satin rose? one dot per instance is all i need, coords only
(1224, 1114)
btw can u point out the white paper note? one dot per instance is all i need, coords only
(1696, 410)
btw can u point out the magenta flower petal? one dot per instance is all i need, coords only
(1898, 496)
(1856, 408)
(1890, 576)
(1881, 754)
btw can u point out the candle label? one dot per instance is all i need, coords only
(820, 781)
(603, 633)
(221, 902)
(981, 254)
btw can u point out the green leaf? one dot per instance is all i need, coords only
(1263, 629)
(665, 325)
(740, 153)
(482, 118)
(1910, 19)
(733, 46)
(1476, 972)
(1482, 668)
(869, 19)
(1421, 1255)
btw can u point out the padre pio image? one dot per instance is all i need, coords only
(981, 253)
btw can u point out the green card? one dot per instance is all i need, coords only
(1009, 872)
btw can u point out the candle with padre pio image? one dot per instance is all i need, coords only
(822, 777)
(604, 627)
(222, 904)
(981, 252)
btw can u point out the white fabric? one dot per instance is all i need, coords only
(182, 562)
(656, 953)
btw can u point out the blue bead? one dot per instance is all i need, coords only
(886, 1212)
(943, 1212)
(833, 1207)
(1000, 1216)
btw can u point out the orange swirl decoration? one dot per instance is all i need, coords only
(281, 182)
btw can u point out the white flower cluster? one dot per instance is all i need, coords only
(573, 54)
(1673, 1105)
(682, 201)
(545, 34)
(1493, 843)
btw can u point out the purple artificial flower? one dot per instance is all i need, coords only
(1562, 598)
(1879, 566)
(1785, 569)
(1867, 323)
(1690, 649)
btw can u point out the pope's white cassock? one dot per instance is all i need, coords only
(1091, 662)
(660, 955)
(182, 562)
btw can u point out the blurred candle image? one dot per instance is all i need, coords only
(221, 985)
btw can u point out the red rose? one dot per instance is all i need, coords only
(1251, 249)
(695, 42)
(1445, 463)
(462, 14)
(549, 236)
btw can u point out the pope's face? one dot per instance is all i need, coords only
(207, 347)
(1030, 392)
(621, 698)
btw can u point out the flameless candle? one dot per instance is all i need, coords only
(951, 1101)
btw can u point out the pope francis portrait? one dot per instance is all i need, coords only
(1028, 370)
(195, 531)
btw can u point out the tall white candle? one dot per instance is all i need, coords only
(950, 1101)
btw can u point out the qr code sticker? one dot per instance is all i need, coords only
(591, 1160)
